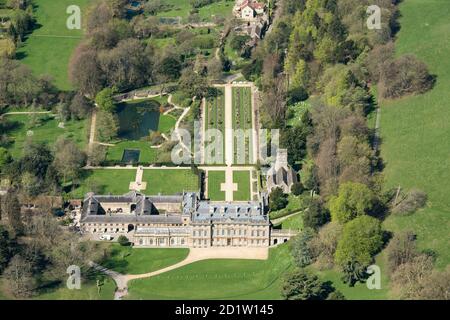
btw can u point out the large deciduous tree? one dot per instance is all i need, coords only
(353, 200)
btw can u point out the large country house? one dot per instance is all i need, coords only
(180, 221)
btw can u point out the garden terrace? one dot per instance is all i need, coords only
(243, 120)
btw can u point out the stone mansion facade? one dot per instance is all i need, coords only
(180, 221)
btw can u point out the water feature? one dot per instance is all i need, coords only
(137, 119)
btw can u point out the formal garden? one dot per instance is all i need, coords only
(243, 120)
(215, 116)
(141, 124)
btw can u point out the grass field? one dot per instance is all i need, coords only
(127, 260)
(415, 130)
(242, 120)
(46, 130)
(105, 181)
(242, 178)
(48, 49)
(88, 291)
(215, 179)
(218, 279)
(169, 181)
(147, 154)
(182, 8)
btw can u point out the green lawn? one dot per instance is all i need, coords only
(166, 123)
(294, 222)
(294, 204)
(105, 181)
(181, 8)
(218, 279)
(127, 260)
(215, 179)
(147, 154)
(415, 130)
(46, 130)
(169, 181)
(48, 49)
(88, 290)
(242, 178)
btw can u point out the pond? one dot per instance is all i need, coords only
(138, 118)
(131, 156)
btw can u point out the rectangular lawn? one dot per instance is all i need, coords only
(105, 181)
(169, 181)
(215, 179)
(242, 178)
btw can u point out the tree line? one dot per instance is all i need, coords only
(321, 51)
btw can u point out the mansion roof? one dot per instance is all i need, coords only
(96, 209)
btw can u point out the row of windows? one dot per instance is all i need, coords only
(229, 232)
(161, 241)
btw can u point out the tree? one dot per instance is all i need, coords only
(408, 278)
(84, 70)
(278, 199)
(193, 84)
(308, 175)
(127, 65)
(353, 271)
(409, 203)
(401, 249)
(294, 139)
(107, 126)
(297, 189)
(36, 159)
(316, 215)
(323, 245)
(403, 76)
(69, 159)
(436, 286)
(11, 209)
(353, 200)
(301, 285)
(300, 248)
(6, 248)
(5, 157)
(7, 48)
(80, 107)
(105, 99)
(123, 241)
(361, 239)
(19, 277)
